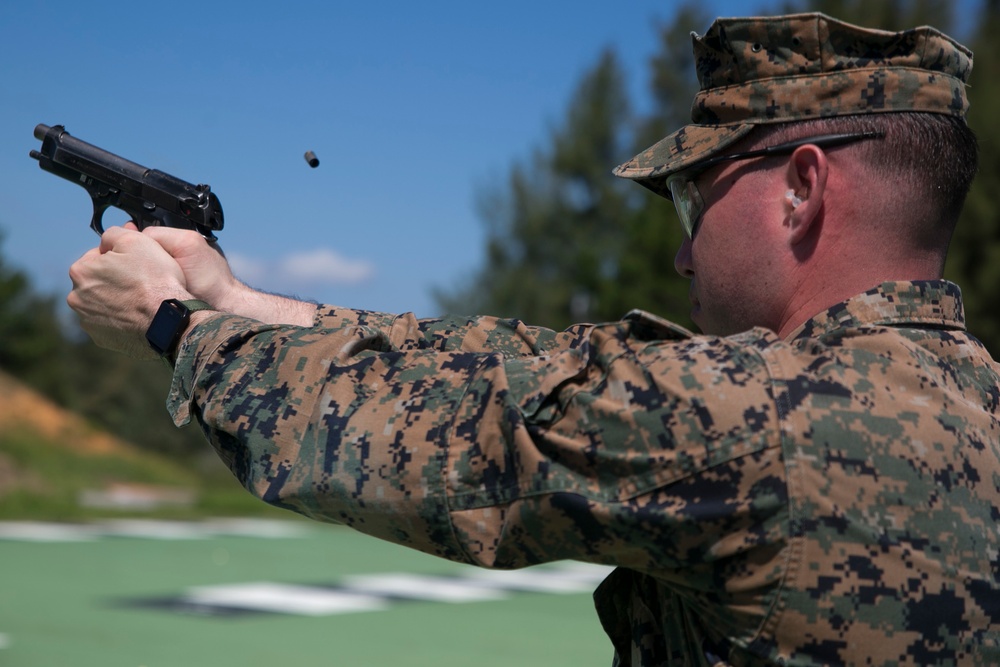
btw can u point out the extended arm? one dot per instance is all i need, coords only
(472, 456)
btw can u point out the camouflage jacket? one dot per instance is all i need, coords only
(831, 498)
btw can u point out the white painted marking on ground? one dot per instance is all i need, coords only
(377, 592)
(4, 640)
(155, 530)
(569, 578)
(266, 528)
(285, 598)
(417, 587)
(37, 531)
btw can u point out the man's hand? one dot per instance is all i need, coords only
(207, 276)
(205, 270)
(118, 287)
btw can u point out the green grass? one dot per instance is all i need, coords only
(42, 480)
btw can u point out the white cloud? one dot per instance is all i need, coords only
(321, 267)
(326, 266)
(245, 268)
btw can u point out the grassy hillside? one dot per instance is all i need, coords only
(55, 466)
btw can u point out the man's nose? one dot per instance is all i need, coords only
(683, 263)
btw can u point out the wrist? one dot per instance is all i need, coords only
(231, 298)
(196, 318)
(171, 323)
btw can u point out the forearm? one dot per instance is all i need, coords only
(245, 301)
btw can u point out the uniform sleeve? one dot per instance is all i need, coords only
(610, 450)
(508, 337)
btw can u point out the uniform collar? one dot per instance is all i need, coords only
(922, 303)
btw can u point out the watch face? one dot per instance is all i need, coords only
(167, 326)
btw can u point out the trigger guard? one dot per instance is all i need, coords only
(96, 222)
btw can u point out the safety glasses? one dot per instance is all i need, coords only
(688, 200)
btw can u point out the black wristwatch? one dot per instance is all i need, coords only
(169, 323)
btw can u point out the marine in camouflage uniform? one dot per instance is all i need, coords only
(826, 496)
(827, 499)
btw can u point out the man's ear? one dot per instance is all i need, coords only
(807, 173)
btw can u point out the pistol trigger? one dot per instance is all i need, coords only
(143, 217)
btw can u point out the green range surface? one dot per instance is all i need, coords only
(111, 600)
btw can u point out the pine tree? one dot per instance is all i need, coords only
(555, 229)
(31, 342)
(974, 257)
(568, 242)
(646, 277)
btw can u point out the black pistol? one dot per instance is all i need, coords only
(150, 197)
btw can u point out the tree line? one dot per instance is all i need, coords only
(566, 241)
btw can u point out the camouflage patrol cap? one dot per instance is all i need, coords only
(799, 67)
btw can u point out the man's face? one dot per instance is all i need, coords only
(730, 260)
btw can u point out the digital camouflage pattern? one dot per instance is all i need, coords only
(800, 67)
(832, 498)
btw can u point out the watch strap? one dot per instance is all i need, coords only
(196, 304)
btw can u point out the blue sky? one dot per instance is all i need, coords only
(412, 108)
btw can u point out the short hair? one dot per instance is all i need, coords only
(936, 155)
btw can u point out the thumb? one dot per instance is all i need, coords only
(177, 242)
